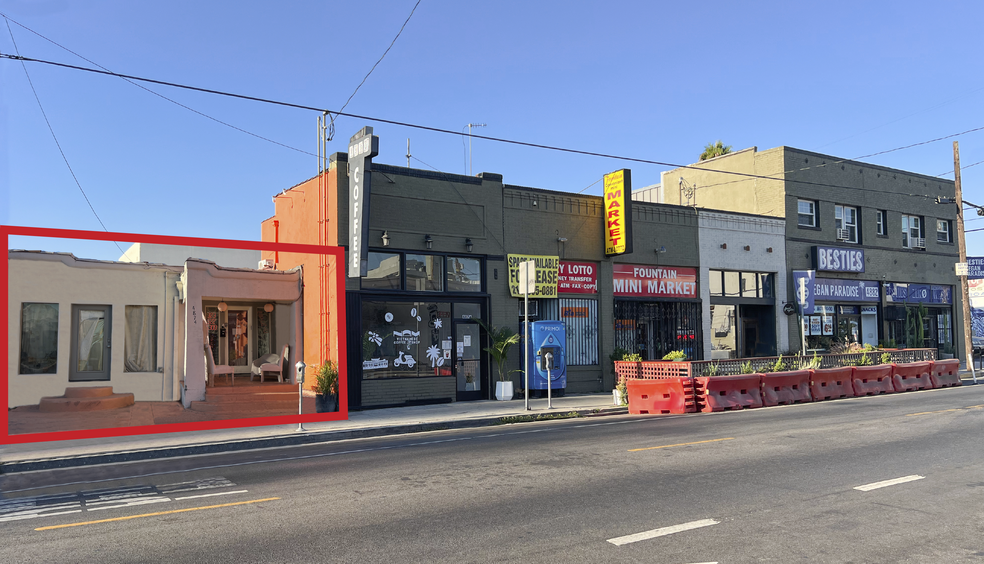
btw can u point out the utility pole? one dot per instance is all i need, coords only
(470, 126)
(962, 247)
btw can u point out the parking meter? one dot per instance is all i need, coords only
(300, 366)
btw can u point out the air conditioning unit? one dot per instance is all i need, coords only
(266, 264)
(918, 242)
(843, 234)
(533, 308)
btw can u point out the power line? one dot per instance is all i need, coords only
(331, 127)
(961, 168)
(53, 136)
(175, 102)
(486, 137)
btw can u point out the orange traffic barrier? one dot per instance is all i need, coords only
(784, 388)
(945, 373)
(912, 376)
(670, 395)
(872, 380)
(831, 383)
(718, 393)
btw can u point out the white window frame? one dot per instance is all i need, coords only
(912, 227)
(812, 214)
(881, 222)
(946, 233)
(840, 221)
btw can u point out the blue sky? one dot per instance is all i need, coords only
(652, 80)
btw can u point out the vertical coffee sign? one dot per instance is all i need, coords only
(363, 146)
(618, 212)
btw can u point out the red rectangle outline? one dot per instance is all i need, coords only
(338, 253)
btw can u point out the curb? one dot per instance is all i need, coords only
(140, 455)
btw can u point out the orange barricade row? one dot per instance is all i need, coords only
(832, 383)
(784, 388)
(872, 380)
(670, 395)
(912, 376)
(945, 373)
(718, 393)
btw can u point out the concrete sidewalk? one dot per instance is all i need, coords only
(361, 424)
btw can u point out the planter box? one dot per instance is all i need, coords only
(627, 369)
(504, 390)
(326, 403)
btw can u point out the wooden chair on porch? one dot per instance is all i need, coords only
(278, 367)
(214, 370)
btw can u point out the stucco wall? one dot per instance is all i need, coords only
(737, 231)
(62, 279)
(178, 254)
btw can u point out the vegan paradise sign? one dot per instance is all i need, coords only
(654, 281)
(617, 218)
(546, 275)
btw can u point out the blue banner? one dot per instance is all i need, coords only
(803, 288)
(975, 267)
(918, 293)
(837, 290)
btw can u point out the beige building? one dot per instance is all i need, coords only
(880, 248)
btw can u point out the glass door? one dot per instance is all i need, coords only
(239, 346)
(91, 338)
(467, 356)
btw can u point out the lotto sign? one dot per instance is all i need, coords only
(577, 277)
(617, 217)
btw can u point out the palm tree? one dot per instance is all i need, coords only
(712, 150)
(502, 339)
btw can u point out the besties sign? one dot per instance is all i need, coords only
(836, 259)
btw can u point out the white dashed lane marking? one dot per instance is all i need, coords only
(886, 483)
(646, 535)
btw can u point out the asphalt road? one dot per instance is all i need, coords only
(766, 485)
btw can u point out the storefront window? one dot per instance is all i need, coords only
(715, 283)
(406, 339)
(580, 317)
(653, 329)
(723, 333)
(749, 285)
(467, 311)
(383, 273)
(732, 284)
(425, 273)
(464, 274)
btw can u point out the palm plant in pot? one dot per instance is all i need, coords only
(501, 339)
(326, 387)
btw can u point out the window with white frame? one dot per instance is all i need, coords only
(943, 231)
(806, 213)
(846, 223)
(881, 222)
(913, 234)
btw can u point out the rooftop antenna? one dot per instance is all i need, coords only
(470, 126)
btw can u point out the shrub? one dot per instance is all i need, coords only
(746, 368)
(675, 356)
(634, 357)
(886, 358)
(812, 364)
(712, 369)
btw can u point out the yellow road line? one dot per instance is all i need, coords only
(682, 444)
(153, 514)
(928, 412)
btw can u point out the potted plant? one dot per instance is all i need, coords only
(501, 339)
(469, 382)
(326, 387)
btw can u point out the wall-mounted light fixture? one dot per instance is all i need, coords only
(222, 306)
(748, 247)
(386, 239)
(469, 245)
(724, 245)
(534, 202)
(561, 239)
(768, 250)
(268, 307)
(661, 249)
(428, 241)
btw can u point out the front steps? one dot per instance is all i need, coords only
(89, 398)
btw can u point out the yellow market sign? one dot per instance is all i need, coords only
(546, 275)
(617, 217)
